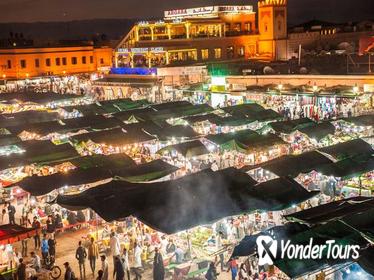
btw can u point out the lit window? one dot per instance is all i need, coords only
(205, 54)
(241, 51)
(217, 53)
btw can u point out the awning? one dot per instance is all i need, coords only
(39, 98)
(318, 131)
(348, 149)
(113, 137)
(27, 117)
(187, 149)
(38, 152)
(364, 120)
(180, 204)
(10, 234)
(291, 165)
(288, 127)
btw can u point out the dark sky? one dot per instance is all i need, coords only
(63, 10)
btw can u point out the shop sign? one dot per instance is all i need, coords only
(140, 50)
(235, 9)
(191, 12)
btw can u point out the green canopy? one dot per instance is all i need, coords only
(288, 127)
(348, 149)
(318, 131)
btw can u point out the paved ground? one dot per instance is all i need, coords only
(67, 243)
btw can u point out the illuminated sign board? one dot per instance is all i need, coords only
(207, 11)
(140, 50)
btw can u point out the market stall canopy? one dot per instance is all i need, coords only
(38, 152)
(349, 167)
(200, 118)
(293, 165)
(119, 105)
(135, 114)
(10, 234)
(187, 149)
(113, 137)
(41, 128)
(38, 98)
(128, 80)
(172, 206)
(27, 117)
(113, 161)
(333, 211)
(288, 127)
(348, 149)
(41, 185)
(96, 122)
(318, 131)
(364, 120)
(253, 112)
(9, 139)
(86, 110)
(244, 140)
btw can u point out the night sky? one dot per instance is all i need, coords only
(65, 10)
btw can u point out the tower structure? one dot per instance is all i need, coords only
(272, 26)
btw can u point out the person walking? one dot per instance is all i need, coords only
(158, 266)
(21, 270)
(118, 271)
(52, 249)
(211, 274)
(11, 214)
(93, 254)
(100, 274)
(115, 247)
(69, 274)
(81, 256)
(137, 261)
(233, 267)
(45, 249)
(125, 263)
(104, 267)
(36, 225)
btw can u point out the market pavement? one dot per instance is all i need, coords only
(67, 243)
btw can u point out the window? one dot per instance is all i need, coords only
(217, 53)
(230, 52)
(73, 60)
(23, 63)
(279, 26)
(58, 61)
(84, 60)
(241, 51)
(64, 61)
(9, 64)
(205, 54)
(248, 26)
(101, 60)
(91, 59)
(37, 63)
(48, 62)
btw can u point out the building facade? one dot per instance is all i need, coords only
(25, 62)
(206, 34)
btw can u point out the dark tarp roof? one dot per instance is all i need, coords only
(254, 112)
(348, 168)
(10, 234)
(318, 131)
(8, 139)
(171, 105)
(112, 161)
(118, 105)
(40, 98)
(95, 122)
(187, 149)
(41, 185)
(27, 117)
(135, 113)
(87, 110)
(365, 120)
(42, 128)
(230, 120)
(332, 211)
(244, 109)
(244, 140)
(39, 152)
(291, 165)
(288, 127)
(114, 137)
(200, 118)
(176, 205)
(348, 149)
